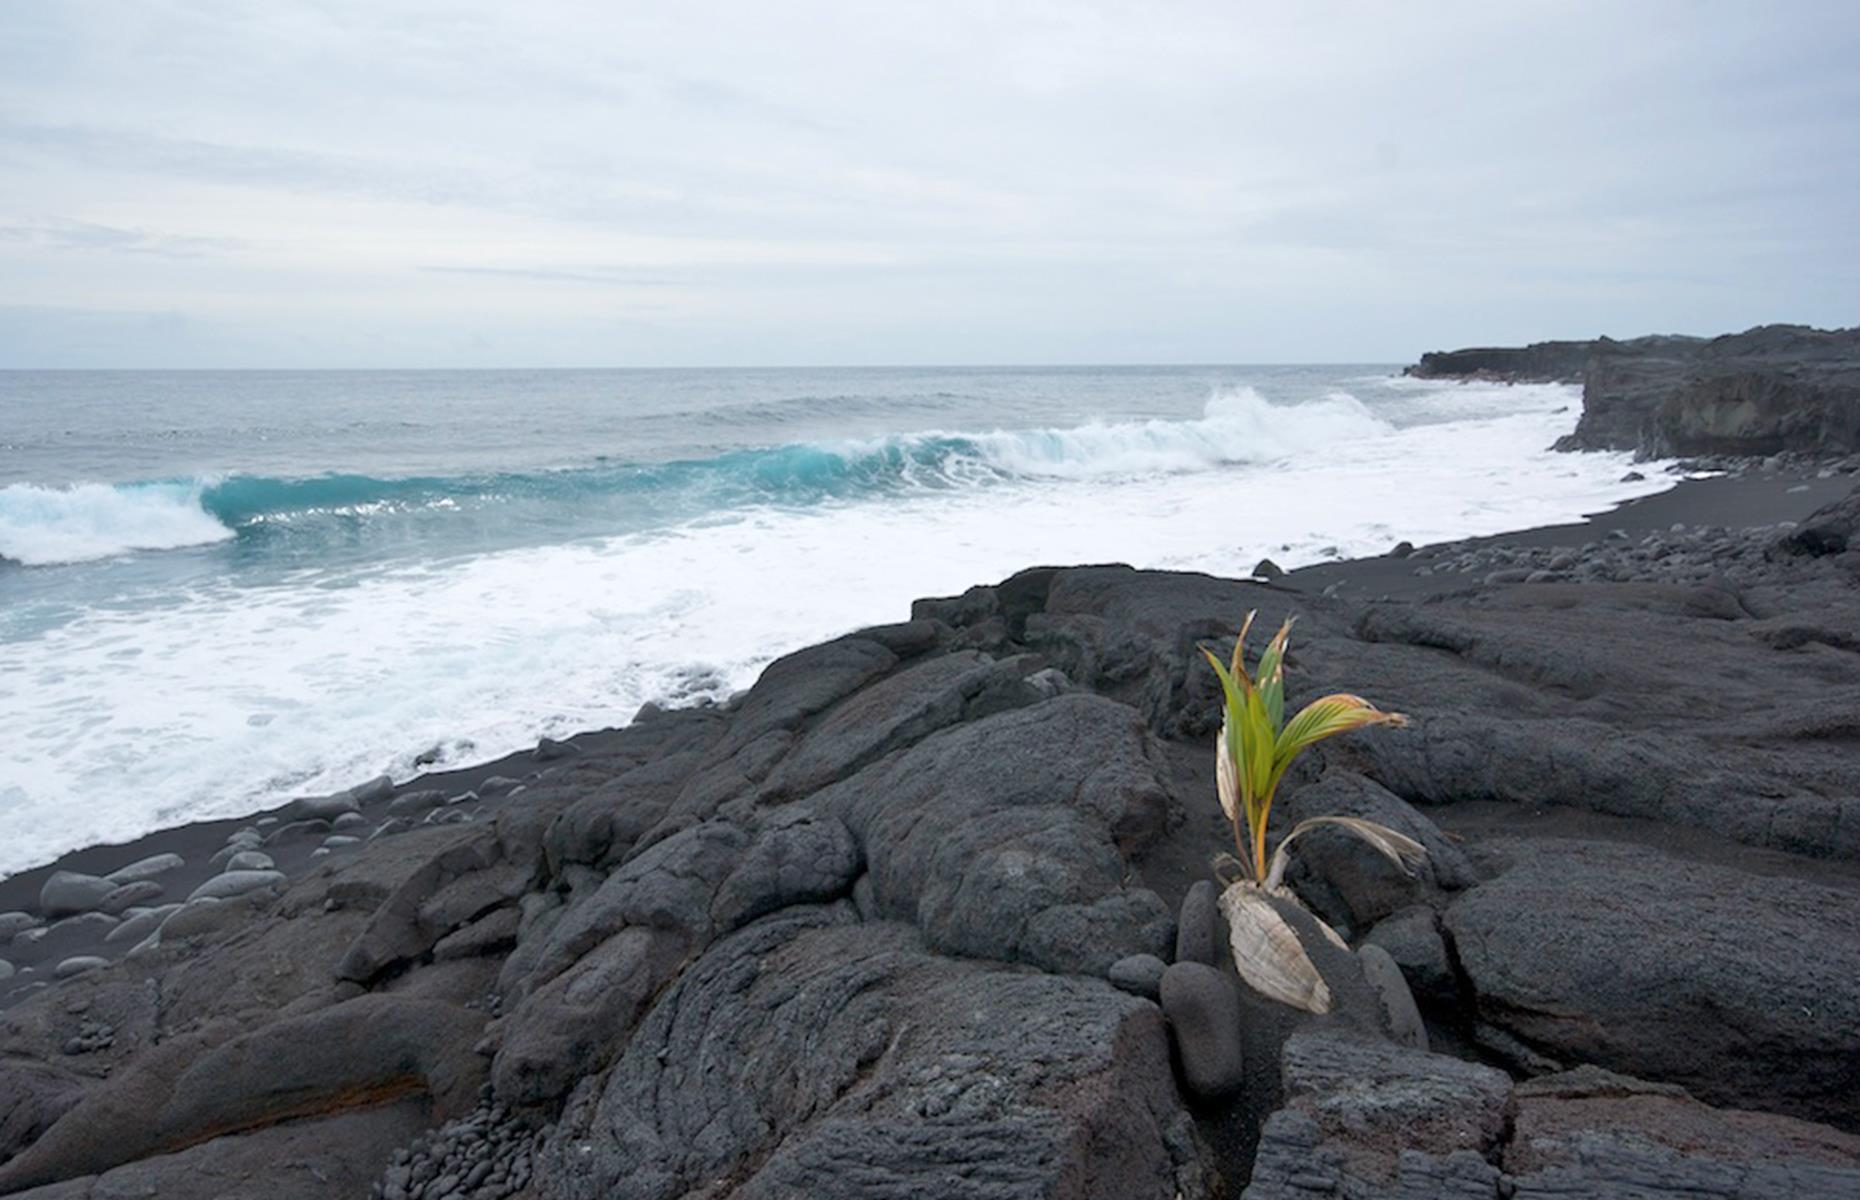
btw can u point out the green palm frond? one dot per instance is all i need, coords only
(1257, 745)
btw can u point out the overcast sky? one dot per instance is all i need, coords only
(464, 183)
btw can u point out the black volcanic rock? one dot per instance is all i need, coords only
(1203, 1007)
(861, 932)
(1831, 529)
(1754, 976)
(1368, 1119)
(1539, 362)
(1768, 390)
(811, 1054)
(1772, 389)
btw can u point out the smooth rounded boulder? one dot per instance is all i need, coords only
(1203, 1007)
(68, 893)
(416, 801)
(1399, 1015)
(135, 928)
(72, 935)
(320, 808)
(1412, 938)
(78, 964)
(1138, 974)
(203, 916)
(16, 922)
(146, 868)
(1197, 928)
(236, 883)
(129, 895)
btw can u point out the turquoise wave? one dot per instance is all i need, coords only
(74, 523)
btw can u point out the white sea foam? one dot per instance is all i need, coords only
(236, 698)
(88, 521)
(1237, 426)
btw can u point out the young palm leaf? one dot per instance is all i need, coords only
(1256, 746)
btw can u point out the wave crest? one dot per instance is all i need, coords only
(44, 525)
(87, 521)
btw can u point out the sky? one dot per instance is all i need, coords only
(198, 183)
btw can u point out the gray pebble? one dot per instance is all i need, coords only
(16, 922)
(250, 860)
(1138, 974)
(198, 917)
(147, 868)
(408, 803)
(128, 895)
(78, 964)
(1197, 927)
(69, 892)
(236, 883)
(135, 928)
(311, 827)
(373, 792)
(1399, 1014)
(319, 808)
(1203, 1007)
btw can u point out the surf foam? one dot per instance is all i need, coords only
(89, 521)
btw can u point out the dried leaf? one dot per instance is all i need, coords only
(1398, 848)
(1267, 952)
(1226, 783)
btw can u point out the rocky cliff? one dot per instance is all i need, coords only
(1769, 390)
(1773, 389)
(1539, 362)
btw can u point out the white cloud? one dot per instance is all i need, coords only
(347, 183)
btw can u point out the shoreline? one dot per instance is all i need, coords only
(1745, 501)
(1750, 500)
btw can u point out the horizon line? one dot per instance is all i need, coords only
(924, 366)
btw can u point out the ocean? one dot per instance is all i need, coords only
(222, 589)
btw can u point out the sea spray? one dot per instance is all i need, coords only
(81, 522)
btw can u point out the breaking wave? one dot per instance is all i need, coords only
(42, 525)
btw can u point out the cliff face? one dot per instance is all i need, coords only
(1539, 362)
(1770, 389)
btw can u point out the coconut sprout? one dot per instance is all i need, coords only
(1257, 745)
